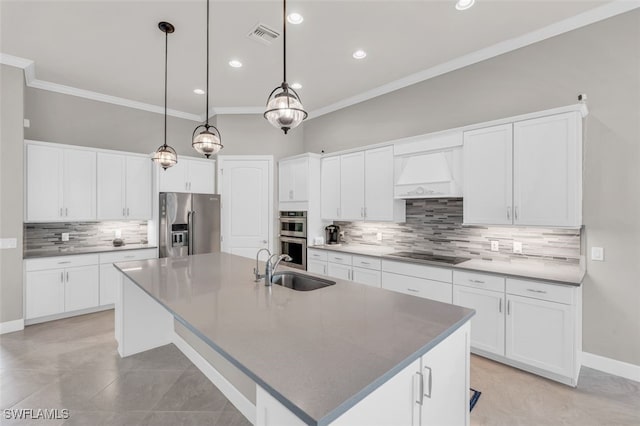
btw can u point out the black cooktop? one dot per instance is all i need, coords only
(429, 257)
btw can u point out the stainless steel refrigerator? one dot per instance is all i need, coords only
(189, 224)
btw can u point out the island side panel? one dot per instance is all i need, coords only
(141, 323)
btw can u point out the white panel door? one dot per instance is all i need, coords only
(111, 186)
(81, 289)
(367, 276)
(487, 325)
(138, 188)
(300, 179)
(488, 177)
(317, 267)
(547, 171)
(79, 184)
(330, 188)
(379, 184)
(202, 177)
(44, 183)
(44, 293)
(245, 188)
(540, 334)
(174, 179)
(110, 278)
(352, 186)
(336, 270)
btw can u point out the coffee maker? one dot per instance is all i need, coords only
(332, 234)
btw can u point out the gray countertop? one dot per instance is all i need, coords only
(32, 254)
(555, 272)
(317, 352)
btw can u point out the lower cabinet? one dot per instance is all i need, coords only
(44, 293)
(369, 277)
(359, 269)
(110, 277)
(487, 325)
(336, 270)
(418, 280)
(317, 267)
(81, 288)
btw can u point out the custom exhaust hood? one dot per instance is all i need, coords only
(429, 166)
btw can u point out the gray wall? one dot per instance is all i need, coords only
(11, 184)
(602, 60)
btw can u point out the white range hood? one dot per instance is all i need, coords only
(429, 166)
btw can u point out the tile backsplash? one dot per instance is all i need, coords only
(47, 236)
(435, 226)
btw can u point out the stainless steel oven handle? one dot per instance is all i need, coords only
(293, 219)
(293, 240)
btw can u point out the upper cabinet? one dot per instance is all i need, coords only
(299, 185)
(189, 175)
(526, 173)
(60, 183)
(359, 186)
(124, 187)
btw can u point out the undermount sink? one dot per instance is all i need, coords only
(299, 282)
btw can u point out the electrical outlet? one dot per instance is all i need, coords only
(597, 253)
(379, 236)
(495, 246)
(517, 247)
(118, 233)
(65, 236)
(8, 243)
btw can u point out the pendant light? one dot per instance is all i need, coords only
(208, 141)
(284, 108)
(165, 155)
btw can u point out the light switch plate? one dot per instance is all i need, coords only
(597, 253)
(517, 247)
(379, 236)
(8, 243)
(495, 245)
(118, 233)
(65, 236)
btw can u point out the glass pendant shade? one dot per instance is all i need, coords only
(165, 156)
(284, 109)
(207, 142)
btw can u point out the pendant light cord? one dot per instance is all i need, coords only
(166, 52)
(207, 102)
(284, 40)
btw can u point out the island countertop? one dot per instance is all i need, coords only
(318, 352)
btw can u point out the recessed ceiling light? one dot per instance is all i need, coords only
(235, 63)
(295, 18)
(199, 91)
(296, 86)
(464, 4)
(359, 54)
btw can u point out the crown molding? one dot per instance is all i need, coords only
(586, 18)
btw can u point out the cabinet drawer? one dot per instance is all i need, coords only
(537, 290)
(60, 262)
(428, 289)
(127, 255)
(317, 255)
(343, 259)
(367, 262)
(420, 271)
(366, 276)
(473, 279)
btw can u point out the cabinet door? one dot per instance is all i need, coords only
(330, 188)
(445, 370)
(379, 184)
(352, 186)
(81, 289)
(547, 171)
(79, 184)
(414, 286)
(285, 179)
(488, 178)
(367, 276)
(44, 293)
(202, 177)
(300, 179)
(174, 179)
(487, 325)
(111, 186)
(317, 267)
(110, 279)
(44, 183)
(339, 271)
(138, 188)
(540, 334)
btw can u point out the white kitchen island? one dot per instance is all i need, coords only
(345, 354)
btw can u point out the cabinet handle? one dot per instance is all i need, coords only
(61, 212)
(66, 211)
(365, 263)
(324, 267)
(508, 307)
(420, 393)
(365, 212)
(67, 276)
(500, 306)
(508, 213)
(536, 291)
(338, 258)
(361, 211)
(428, 395)
(64, 263)
(477, 281)
(413, 290)
(127, 211)
(291, 194)
(515, 213)
(61, 277)
(129, 257)
(124, 211)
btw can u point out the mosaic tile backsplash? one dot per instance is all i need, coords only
(47, 236)
(435, 226)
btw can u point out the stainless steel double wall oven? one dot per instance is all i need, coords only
(293, 238)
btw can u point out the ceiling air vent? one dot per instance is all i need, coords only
(263, 34)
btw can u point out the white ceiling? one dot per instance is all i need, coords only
(114, 47)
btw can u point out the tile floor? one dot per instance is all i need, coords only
(73, 364)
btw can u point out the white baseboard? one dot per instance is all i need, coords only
(11, 326)
(237, 399)
(611, 366)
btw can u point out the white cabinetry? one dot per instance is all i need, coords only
(44, 293)
(110, 277)
(360, 269)
(418, 280)
(525, 173)
(81, 289)
(359, 186)
(189, 175)
(293, 179)
(60, 183)
(124, 187)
